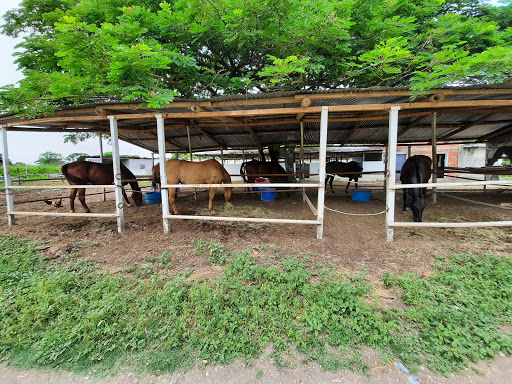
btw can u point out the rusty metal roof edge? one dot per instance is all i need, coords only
(279, 94)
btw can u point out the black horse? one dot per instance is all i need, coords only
(416, 170)
(352, 168)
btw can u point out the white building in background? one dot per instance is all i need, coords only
(139, 167)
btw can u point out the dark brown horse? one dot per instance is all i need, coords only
(250, 170)
(352, 169)
(201, 172)
(89, 173)
(415, 170)
(155, 176)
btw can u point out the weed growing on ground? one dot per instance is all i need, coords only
(200, 246)
(218, 254)
(74, 317)
(165, 260)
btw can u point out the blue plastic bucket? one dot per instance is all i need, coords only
(268, 194)
(153, 197)
(361, 195)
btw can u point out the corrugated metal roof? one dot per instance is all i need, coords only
(357, 116)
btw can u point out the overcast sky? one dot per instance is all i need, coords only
(25, 146)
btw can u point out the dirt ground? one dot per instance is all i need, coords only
(349, 243)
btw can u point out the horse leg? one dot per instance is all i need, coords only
(72, 196)
(172, 199)
(125, 196)
(348, 184)
(331, 179)
(406, 201)
(212, 196)
(81, 197)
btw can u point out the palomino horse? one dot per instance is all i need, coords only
(352, 168)
(201, 172)
(416, 170)
(86, 172)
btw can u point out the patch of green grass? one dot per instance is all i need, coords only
(74, 317)
(458, 312)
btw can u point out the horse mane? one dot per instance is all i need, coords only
(70, 177)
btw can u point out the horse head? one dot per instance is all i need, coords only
(417, 206)
(137, 196)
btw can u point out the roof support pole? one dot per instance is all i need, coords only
(117, 173)
(7, 176)
(321, 171)
(101, 161)
(302, 160)
(434, 155)
(190, 152)
(391, 174)
(160, 130)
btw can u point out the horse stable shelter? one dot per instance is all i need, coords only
(381, 116)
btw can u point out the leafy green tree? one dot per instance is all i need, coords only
(74, 156)
(152, 51)
(50, 158)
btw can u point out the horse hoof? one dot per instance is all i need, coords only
(213, 212)
(404, 211)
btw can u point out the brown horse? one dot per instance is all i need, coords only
(86, 172)
(201, 172)
(155, 176)
(250, 170)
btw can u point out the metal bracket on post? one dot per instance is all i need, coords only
(391, 166)
(117, 171)
(160, 130)
(321, 172)
(7, 177)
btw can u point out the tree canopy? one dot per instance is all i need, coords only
(77, 51)
(50, 158)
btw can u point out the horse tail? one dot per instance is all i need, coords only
(72, 178)
(243, 172)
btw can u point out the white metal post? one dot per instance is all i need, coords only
(321, 172)
(160, 130)
(391, 175)
(117, 173)
(7, 177)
